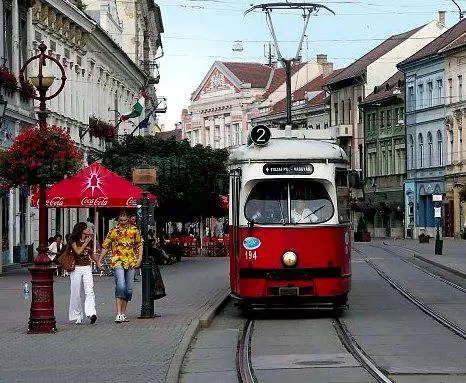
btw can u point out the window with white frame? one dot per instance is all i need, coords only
(430, 94)
(430, 143)
(460, 144)
(237, 134)
(420, 94)
(411, 99)
(450, 91)
(439, 148)
(411, 151)
(421, 150)
(451, 147)
(439, 91)
(460, 87)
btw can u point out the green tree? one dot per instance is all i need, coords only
(189, 179)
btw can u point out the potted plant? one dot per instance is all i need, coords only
(361, 234)
(101, 129)
(40, 156)
(7, 79)
(423, 238)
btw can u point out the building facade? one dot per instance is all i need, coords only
(455, 137)
(384, 157)
(102, 82)
(425, 133)
(354, 83)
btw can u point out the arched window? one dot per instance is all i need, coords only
(411, 152)
(429, 142)
(421, 150)
(439, 148)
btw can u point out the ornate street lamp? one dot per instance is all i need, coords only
(42, 317)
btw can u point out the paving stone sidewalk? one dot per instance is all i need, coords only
(138, 351)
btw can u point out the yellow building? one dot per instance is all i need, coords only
(455, 143)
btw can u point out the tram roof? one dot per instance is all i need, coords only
(289, 149)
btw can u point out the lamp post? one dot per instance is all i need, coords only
(42, 317)
(437, 199)
(145, 176)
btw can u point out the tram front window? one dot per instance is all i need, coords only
(310, 203)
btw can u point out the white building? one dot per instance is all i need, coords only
(102, 81)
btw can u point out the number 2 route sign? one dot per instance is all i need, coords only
(260, 135)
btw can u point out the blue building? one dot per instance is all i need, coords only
(425, 131)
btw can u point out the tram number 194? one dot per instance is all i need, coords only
(250, 255)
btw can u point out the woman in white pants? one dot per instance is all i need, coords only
(82, 246)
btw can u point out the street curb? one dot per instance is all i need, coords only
(441, 266)
(194, 327)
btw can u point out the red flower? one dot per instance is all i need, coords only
(40, 156)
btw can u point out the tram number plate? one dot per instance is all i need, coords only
(288, 291)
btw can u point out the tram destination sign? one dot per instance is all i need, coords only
(287, 169)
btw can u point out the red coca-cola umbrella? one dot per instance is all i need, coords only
(94, 186)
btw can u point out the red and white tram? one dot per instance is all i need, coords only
(290, 241)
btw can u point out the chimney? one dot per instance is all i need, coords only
(327, 69)
(321, 59)
(441, 18)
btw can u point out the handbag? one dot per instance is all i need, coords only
(67, 260)
(157, 290)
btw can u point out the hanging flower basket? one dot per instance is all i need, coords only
(27, 90)
(40, 157)
(101, 129)
(7, 79)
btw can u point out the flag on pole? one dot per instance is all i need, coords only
(137, 109)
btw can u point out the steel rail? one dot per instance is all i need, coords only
(354, 349)
(426, 309)
(243, 355)
(431, 274)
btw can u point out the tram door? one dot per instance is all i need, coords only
(235, 245)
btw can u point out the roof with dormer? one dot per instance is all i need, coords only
(394, 86)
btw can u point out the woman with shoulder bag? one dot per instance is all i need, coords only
(82, 246)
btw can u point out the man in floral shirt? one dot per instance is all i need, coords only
(125, 244)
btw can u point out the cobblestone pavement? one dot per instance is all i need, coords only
(140, 350)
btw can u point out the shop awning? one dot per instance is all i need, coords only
(93, 186)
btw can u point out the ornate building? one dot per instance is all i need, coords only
(455, 140)
(384, 140)
(427, 93)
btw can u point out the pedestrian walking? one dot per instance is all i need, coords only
(82, 247)
(125, 244)
(55, 249)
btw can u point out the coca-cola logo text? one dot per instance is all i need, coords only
(56, 202)
(130, 202)
(99, 201)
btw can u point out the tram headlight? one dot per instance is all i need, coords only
(289, 258)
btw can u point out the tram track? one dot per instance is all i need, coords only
(245, 368)
(423, 307)
(413, 264)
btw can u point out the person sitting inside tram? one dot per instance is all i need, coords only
(301, 214)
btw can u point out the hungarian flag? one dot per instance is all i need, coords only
(137, 109)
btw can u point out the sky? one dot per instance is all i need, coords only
(199, 32)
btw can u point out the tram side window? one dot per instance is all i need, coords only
(343, 195)
(310, 202)
(267, 203)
